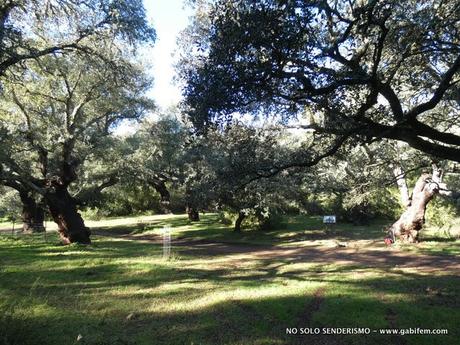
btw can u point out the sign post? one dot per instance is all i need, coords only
(166, 242)
(329, 221)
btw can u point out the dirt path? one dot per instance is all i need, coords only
(364, 256)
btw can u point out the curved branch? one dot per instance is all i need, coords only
(439, 93)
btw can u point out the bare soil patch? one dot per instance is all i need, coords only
(367, 256)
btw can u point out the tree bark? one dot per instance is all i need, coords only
(193, 214)
(239, 221)
(63, 209)
(408, 226)
(165, 197)
(33, 214)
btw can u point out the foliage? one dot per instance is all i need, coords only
(55, 113)
(442, 213)
(150, 175)
(361, 71)
(232, 162)
(31, 29)
(10, 205)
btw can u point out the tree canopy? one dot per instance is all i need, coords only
(364, 70)
(30, 29)
(290, 106)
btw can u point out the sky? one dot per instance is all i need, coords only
(169, 17)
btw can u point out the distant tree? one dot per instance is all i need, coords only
(10, 204)
(231, 161)
(157, 156)
(101, 169)
(366, 70)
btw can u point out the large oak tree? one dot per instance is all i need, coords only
(363, 70)
(58, 114)
(372, 69)
(59, 61)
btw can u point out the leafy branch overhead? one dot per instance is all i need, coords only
(25, 26)
(363, 70)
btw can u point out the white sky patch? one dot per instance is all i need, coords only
(126, 128)
(169, 18)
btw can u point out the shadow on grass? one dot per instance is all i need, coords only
(51, 294)
(438, 239)
(254, 321)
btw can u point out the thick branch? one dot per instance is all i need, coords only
(439, 93)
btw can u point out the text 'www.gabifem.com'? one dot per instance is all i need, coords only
(364, 331)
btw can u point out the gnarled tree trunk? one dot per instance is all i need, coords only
(239, 221)
(63, 209)
(408, 226)
(192, 213)
(165, 197)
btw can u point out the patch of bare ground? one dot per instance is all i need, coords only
(366, 254)
(368, 257)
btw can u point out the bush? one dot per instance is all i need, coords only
(227, 218)
(441, 212)
(358, 207)
(10, 204)
(271, 222)
(361, 208)
(262, 219)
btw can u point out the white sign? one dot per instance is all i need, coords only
(329, 220)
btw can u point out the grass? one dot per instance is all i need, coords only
(121, 291)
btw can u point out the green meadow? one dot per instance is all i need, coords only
(219, 287)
